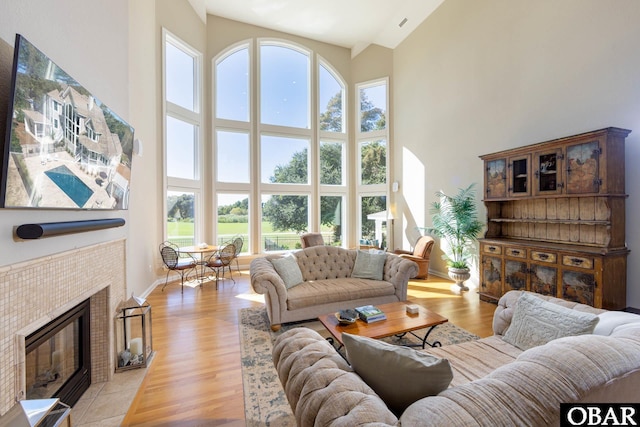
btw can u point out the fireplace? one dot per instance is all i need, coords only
(37, 291)
(58, 357)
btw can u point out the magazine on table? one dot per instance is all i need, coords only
(370, 313)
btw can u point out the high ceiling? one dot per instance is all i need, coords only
(353, 24)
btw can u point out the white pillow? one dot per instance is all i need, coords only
(289, 270)
(536, 322)
(399, 375)
(369, 265)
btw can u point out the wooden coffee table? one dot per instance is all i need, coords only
(398, 322)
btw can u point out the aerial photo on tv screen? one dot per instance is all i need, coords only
(66, 149)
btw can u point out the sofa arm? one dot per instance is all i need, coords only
(321, 387)
(504, 311)
(266, 280)
(398, 271)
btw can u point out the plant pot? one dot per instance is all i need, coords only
(460, 275)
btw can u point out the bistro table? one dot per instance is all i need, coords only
(200, 251)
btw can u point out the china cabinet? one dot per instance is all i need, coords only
(556, 220)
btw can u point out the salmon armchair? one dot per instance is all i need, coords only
(420, 255)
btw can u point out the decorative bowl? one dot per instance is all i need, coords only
(345, 320)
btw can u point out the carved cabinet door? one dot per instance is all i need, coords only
(491, 276)
(515, 275)
(495, 177)
(583, 168)
(578, 286)
(544, 280)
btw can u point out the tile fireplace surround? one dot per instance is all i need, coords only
(34, 292)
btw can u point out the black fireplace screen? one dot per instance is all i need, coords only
(57, 357)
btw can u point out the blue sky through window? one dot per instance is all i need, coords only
(232, 86)
(284, 87)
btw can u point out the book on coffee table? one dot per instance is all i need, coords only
(370, 313)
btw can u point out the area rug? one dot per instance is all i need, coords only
(265, 403)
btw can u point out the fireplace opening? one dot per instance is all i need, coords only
(58, 357)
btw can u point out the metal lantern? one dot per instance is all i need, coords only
(134, 343)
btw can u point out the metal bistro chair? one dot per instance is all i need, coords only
(221, 260)
(237, 243)
(173, 262)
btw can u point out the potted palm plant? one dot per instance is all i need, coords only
(455, 221)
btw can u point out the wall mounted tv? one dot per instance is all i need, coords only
(64, 149)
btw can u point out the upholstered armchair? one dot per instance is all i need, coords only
(311, 239)
(420, 255)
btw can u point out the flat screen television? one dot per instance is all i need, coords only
(63, 149)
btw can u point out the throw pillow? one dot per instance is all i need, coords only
(369, 265)
(289, 270)
(399, 375)
(536, 322)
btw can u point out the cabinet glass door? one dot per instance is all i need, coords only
(519, 176)
(544, 280)
(496, 178)
(547, 168)
(583, 161)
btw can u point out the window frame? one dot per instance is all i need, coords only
(370, 190)
(193, 117)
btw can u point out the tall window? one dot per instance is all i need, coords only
(182, 70)
(290, 167)
(372, 135)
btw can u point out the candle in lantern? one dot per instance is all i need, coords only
(136, 346)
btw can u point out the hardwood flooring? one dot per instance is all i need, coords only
(195, 378)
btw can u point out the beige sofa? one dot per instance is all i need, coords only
(328, 285)
(494, 383)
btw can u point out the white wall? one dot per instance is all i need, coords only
(482, 76)
(89, 40)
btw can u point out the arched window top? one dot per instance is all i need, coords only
(232, 94)
(331, 99)
(285, 85)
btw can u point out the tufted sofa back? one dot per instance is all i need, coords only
(325, 262)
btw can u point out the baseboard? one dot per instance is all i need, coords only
(632, 310)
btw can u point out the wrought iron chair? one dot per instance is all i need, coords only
(221, 260)
(173, 262)
(237, 243)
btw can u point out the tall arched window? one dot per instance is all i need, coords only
(279, 145)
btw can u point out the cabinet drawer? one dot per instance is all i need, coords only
(492, 249)
(577, 261)
(515, 252)
(549, 257)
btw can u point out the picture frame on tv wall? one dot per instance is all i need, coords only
(63, 149)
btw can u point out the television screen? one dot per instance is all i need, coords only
(64, 149)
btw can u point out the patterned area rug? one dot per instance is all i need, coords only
(265, 403)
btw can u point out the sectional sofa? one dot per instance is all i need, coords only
(494, 382)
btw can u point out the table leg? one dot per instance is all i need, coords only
(424, 339)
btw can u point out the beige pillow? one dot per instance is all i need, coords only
(399, 375)
(369, 265)
(289, 270)
(536, 322)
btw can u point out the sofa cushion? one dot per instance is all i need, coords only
(318, 292)
(610, 320)
(399, 375)
(536, 322)
(369, 265)
(287, 267)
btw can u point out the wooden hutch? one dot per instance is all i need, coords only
(556, 220)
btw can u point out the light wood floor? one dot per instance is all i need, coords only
(195, 378)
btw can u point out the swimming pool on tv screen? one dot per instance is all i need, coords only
(70, 184)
